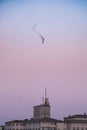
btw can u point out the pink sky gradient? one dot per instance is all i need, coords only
(27, 67)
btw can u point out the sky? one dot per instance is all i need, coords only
(27, 66)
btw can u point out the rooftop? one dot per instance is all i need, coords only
(76, 116)
(32, 120)
(15, 121)
(44, 119)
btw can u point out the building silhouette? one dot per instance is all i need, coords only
(42, 120)
(42, 110)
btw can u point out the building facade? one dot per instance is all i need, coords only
(42, 110)
(15, 125)
(42, 120)
(1, 127)
(76, 122)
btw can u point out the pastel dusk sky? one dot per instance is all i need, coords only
(27, 66)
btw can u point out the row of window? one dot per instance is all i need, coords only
(9, 124)
(48, 128)
(35, 129)
(44, 123)
(78, 125)
(47, 123)
(74, 129)
(16, 129)
(79, 129)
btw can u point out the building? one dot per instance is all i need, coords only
(1, 127)
(42, 120)
(42, 110)
(44, 123)
(76, 122)
(15, 125)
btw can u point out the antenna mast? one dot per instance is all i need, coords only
(45, 93)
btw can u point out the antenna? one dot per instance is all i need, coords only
(45, 93)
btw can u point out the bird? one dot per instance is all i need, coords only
(40, 35)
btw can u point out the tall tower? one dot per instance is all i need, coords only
(42, 110)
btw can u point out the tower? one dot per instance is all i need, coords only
(42, 110)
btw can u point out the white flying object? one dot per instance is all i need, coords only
(34, 29)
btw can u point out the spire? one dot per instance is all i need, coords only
(45, 93)
(46, 99)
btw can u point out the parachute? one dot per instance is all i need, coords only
(34, 29)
